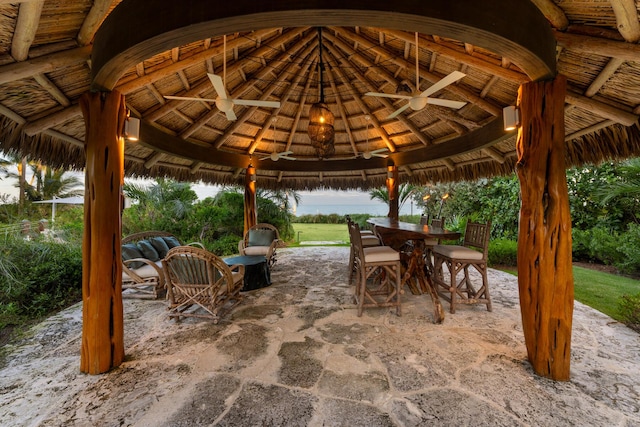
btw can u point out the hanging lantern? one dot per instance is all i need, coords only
(321, 119)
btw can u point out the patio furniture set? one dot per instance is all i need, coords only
(399, 253)
(197, 282)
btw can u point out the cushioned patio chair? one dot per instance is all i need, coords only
(200, 284)
(261, 239)
(368, 238)
(458, 258)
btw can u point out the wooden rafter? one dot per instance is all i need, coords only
(26, 27)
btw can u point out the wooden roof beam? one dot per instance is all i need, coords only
(99, 10)
(44, 64)
(608, 71)
(598, 46)
(284, 73)
(627, 19)
(26, 28)
(285, 97)
(553, 13)
(603, 110)
(53, 90)
(360, 102)
(342, 113)
(205, 83)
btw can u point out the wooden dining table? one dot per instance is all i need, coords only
(409, 238)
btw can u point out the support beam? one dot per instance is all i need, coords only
(102, 313)
(545, 276)
(392, 190)
(250, 200)
(26, 27)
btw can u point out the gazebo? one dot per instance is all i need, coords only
(415, 92)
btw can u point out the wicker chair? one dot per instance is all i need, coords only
(374, 289)
(368, 239)
(261, 239)
(472, 253)
(200, 284)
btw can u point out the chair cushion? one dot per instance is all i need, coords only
(131, 251)
(171, 241)
(148, 251)
(256, 250)
(457, 252)
(146, 271)
(380, 254)
(369, 241)
(261, 237)
(160, 246)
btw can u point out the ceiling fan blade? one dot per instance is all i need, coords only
(287, 157)
(257, 103)
(446, 103)
(380, 155)
(286, 153)
(398, 111)
(379, 150)
(445, 81)
(387, 95)
(231, 115)
(189, 98)
(218, 85)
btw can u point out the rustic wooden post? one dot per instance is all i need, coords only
(392, 189)
(102, 313)
(545, 276)
(250, 204)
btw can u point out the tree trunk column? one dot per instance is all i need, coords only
(392, 189)
(250, 204)
(102, 313)
(545, 276)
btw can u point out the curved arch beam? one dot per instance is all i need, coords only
(475, 140)
(513, 28)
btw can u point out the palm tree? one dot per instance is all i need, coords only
(405, 191)
(51, 182)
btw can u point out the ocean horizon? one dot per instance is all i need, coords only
(378, 209)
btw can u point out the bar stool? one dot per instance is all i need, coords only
(368, 238)
(368, 262)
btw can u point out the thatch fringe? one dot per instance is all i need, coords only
(616, 142)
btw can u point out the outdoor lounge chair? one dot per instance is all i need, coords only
(261, 239)
(142, 275)
(200, 284)
(458, 258)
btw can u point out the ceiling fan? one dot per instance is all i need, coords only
(275, 156)
(223, 102)
(420, 100)
(372, 153)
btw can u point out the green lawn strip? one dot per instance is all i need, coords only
(602, 291)
(321, 232)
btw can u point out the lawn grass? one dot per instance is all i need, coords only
(321, 233)
(602, 291)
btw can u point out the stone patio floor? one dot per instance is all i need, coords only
(296, 354)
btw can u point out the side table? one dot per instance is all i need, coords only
(256, 271)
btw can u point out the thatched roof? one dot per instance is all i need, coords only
(48, 49)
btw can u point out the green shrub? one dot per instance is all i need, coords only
(226, 245)
(630, 311)
(629, 245)
(503, 252)
(40, 277)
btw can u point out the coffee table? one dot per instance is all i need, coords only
(256, 271)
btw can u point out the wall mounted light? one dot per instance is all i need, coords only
(253, 177)
(132, 128)
(511, 117)
(390, 174)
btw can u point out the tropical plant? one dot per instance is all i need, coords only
(405, 192)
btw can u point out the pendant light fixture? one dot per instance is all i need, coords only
(321, 119)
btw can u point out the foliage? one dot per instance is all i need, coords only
(630, 311)
(405, 192)
(503, 252)
(38, 277)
